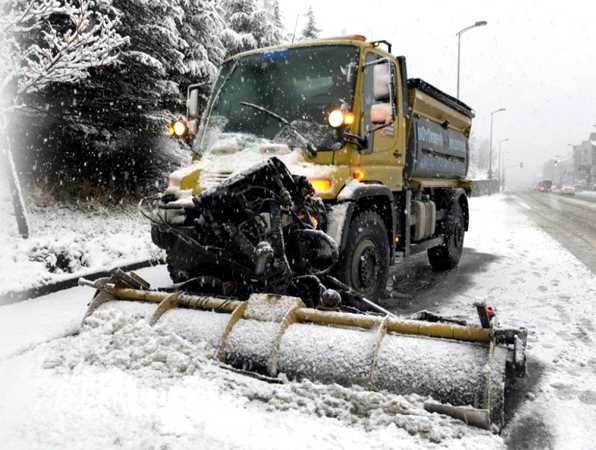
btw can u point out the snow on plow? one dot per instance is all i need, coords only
(465, 369)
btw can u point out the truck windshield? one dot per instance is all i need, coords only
(301, 84)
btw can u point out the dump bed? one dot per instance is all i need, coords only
(438, 133)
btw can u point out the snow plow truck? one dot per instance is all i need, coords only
(316, 167)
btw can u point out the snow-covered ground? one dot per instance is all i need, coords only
(124, 385)
(67, 240)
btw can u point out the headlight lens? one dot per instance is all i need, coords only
(358, 174)
(336, 118)
(180, 128)
(321, 185)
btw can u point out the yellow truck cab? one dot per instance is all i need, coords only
(387, 155)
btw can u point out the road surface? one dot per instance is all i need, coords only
(569, 220)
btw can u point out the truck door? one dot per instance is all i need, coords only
(380, 121)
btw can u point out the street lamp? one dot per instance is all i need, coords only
(480, 23)
(501, 160)
(490, 149)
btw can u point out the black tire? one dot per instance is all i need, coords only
(447, 256)
(364, 262)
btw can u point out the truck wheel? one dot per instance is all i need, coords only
(364, 263)
(447, 256)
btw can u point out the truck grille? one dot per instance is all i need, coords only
(209, 179)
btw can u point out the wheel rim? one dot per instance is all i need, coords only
(366, 267)
(457, 236)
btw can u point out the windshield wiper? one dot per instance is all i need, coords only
(310, 147)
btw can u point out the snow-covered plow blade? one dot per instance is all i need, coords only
(465, 369)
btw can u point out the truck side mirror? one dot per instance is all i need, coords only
(192, 100)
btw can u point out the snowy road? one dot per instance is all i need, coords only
(510, 262)
(569, 220)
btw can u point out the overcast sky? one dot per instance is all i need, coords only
(535, 58)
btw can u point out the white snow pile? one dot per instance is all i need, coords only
(355, 406)
(110, 339)
(67, 241)
(161, 360)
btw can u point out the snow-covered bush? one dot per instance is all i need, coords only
(60, 257)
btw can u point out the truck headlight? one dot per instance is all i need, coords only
(179, 128)
(337, 118)
(321, 185)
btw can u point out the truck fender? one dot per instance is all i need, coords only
(357, 195)
(355, 191)
(338, 219)
(460, 197)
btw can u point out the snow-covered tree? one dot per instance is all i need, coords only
(105, 128)
(310, 30)
(73, 39)
(250, 26)
(115, 120)
(202, 26)
(278, 23)
(86, 39)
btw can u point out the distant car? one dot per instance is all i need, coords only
(555, 189)
(544, 186)
(567, 189)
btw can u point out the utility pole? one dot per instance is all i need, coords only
(501, 173)
(480, 23)
(490, 148)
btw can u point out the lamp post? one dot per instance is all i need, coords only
(501, 162)
(490, 148)
(480, 23)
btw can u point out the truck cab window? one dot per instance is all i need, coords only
(381, 112)
(379, 103)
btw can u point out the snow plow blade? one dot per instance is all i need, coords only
(464, 368)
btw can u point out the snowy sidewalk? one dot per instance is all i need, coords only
(26, 324)
(67, 241)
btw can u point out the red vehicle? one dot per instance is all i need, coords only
(544, 186)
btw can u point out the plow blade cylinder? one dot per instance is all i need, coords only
(267, 336)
